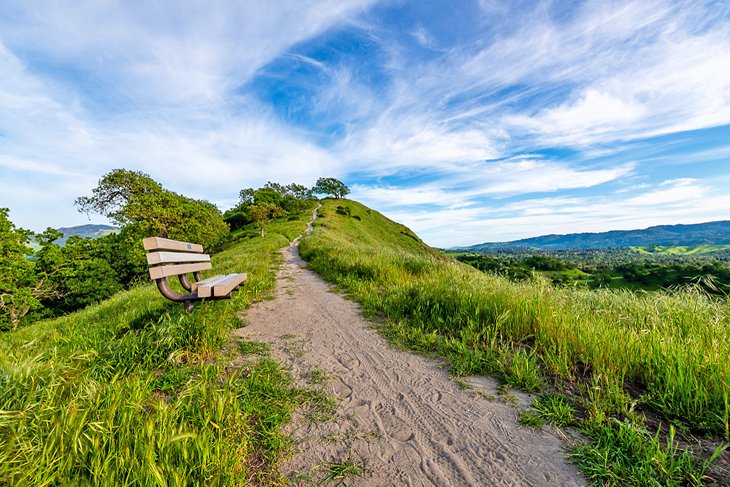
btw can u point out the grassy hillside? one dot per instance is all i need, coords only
(134, 391)
(627, 369)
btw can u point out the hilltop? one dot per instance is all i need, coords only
(700, 234)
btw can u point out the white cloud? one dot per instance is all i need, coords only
(674, 201)
(423, 37)
(393, 196)
(533, 176)
(401, 142)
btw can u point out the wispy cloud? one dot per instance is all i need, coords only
(668, 202)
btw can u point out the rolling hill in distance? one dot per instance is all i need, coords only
(89, 230)
(701, 234)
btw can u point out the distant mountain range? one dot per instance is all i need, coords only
(710, 233)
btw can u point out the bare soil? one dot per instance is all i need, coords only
(397, 413)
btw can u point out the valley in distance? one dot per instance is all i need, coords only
(658, 257)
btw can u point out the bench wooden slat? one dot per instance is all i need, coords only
(175, 257)
(158, 243)
(227, 285)
(204, 288)
(174, 270)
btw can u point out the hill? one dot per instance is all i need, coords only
(620, 366)
(134, 391)
(700, 234)
(84, 231)
(90, 230)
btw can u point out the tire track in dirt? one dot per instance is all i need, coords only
(398, 411)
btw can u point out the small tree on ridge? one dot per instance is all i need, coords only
(332, 187)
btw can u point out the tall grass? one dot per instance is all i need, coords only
(133, 391)
(670, 348)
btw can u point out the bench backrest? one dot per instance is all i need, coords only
(171, 257)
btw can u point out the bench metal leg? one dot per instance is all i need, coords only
(186, 299)
(185, 283)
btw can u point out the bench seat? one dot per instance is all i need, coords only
(219, 285)
(169, 258)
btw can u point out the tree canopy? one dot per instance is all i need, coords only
(132, 198)
(263, 213)
(291, 199)
(332, 187)
(20, 286)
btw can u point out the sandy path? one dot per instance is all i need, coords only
(398, 411)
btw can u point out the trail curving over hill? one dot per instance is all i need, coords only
(398, 411)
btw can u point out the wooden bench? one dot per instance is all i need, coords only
(173, 258)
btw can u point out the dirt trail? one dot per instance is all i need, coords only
(398, 411)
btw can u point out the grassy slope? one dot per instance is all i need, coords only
(618, 355)
(132, 391)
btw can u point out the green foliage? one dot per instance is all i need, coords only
(625, 455)
(246, 347)
(331, 187)
(672, 347)
(80, 272)
(522, 371)
(131, 392)
(132, 198)
(263, 213)
(555, 409)
(347, 468)
(20, 287)
(291, 199)
(613, 268)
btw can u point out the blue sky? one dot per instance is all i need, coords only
(467, 120)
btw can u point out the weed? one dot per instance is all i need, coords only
(554, 409)
(246, 347)
(523, 372)
(531, 419)
(319, 377)
(320, 407)
(173, 379)
(621, 451)
(462, 384)
(339, 471)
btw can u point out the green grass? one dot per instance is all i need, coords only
(134, 391)
(338, 472)
(681, 250)
(670, 347)
(623, 454)
(246, 347)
